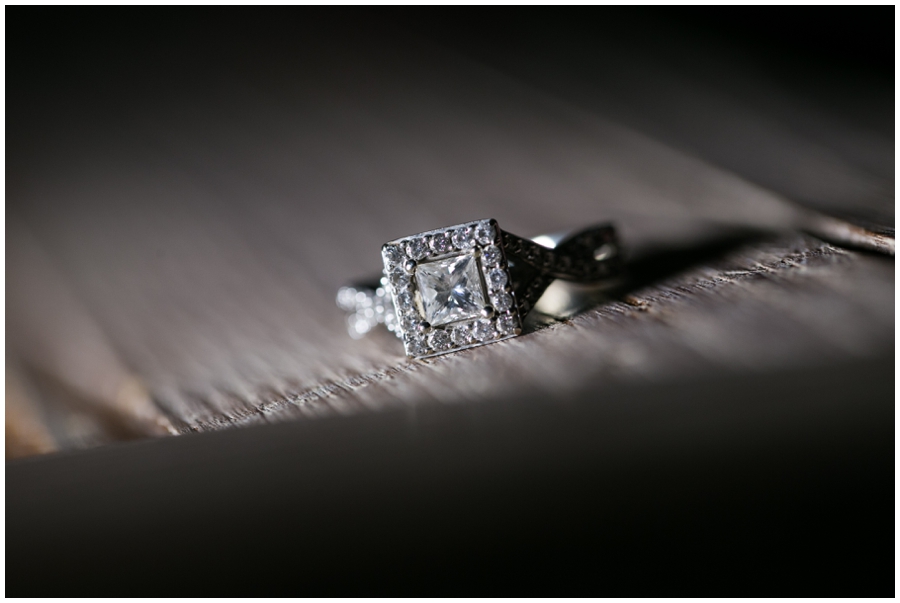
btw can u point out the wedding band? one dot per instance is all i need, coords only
(471, 284)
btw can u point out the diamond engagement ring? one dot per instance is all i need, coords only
(472, 284)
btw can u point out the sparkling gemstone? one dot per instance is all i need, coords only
(463, 238)
(439, 339)
(483, 329)
(404, 301)
(408, 320)
(461, 335)
(498, 278)
(491, 255)
(417, 249)
(502, 301)
(416, 347)
(506, 323)
(440, 243)
(393, 253)
(451, 289)
(485, 234)
(399, 281)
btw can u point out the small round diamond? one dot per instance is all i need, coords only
(498, 278)
(483, 329)
(393, 253)
(506, 324)
(417, 249)
(416, 347)
(485, 234)
(463, 238)
(439, 339)
(408, 320)
(461, 335)
(502, 301)
(399, 281)
(491, 255)
(404, 301)
(440, 243)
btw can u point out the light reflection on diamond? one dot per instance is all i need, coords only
(404, 301)
(498, 278)
(485, 234)
(483, 329)
(407, 320)
(451, 289)
(439, 340)
(491, 255)
(440, 243)
(416, 347)
(502, 301)
(417, 249)
(463, 238)
(393, 253)
(461, 335)
(506, 323)
(400, 281)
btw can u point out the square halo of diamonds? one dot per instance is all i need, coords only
(446, 274)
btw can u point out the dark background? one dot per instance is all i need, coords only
(661, 490)
(82, 74)
(65, 62)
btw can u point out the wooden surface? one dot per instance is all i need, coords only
(179, 222)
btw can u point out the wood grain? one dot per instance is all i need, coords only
(201, 223)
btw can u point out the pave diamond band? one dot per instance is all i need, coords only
(467, 285)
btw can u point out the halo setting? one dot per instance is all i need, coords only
(458, 272)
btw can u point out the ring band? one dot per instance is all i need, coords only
(471, 284)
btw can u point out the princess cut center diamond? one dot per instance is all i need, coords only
(451, 289)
